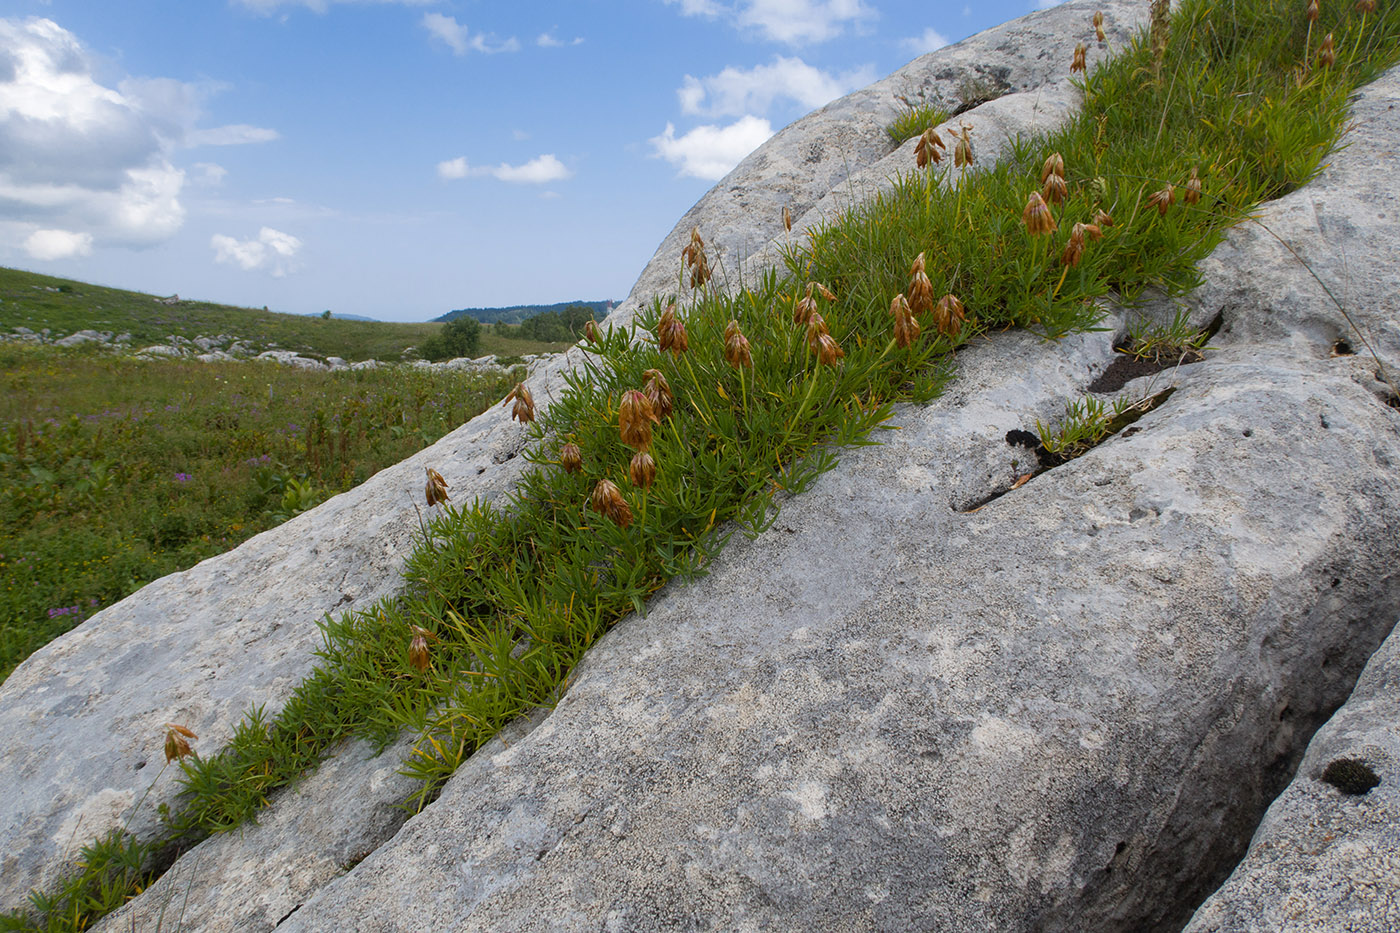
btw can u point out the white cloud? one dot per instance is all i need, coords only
(235, 134)
(318, 6)
(519, 135)
(48, 245)
(790, 21)
(540, 170)
(82, 158)
(709, 152)
(272, 250)
(930, 41)
(735, 91)
(548, 41)
(210, 174)
(453, 168)
(460, 40)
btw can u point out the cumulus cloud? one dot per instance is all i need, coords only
(930, 41)
(460, 40)
(48, 245)
(736, 91)
(790, 21)
(271, 250)
(540, 170)
(709, 152)
(548, 41)
(84, 165)
(318, 6)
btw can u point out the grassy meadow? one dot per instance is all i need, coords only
(64, 306)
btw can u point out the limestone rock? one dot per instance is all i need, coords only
(1324, 861)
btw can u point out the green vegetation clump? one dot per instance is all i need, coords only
(657, 450)
(460, 337)
(914, 119)
(1350, 776)
(115, 471)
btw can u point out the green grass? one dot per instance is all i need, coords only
(64, 306)
(115, 471)
(510, 598)
(913, 120)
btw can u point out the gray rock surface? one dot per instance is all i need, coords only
(1324, 861)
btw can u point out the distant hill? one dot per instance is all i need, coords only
(517, 313)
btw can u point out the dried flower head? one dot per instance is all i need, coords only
(828, 350)
(928, 149)
(1162, 199)
(1313, 11)
(1103, 218)
(1366, 6)
(694, 258)
(906, 328)
(948, 315)
(658, 392)
(635, 418)
(1074, 247)
(590, 332)
(436, 488)
(1078, 64)
(571, 458)
(736, 347)
(608, 502)
(962, 148)
(670, 332)
(920, 288)
(807, 305)
(176, 742)
(1098, 24)
(1326, 54)
(1193, 188)
(1054, 165)
(1054, 190)
(1037, 216)
(642, 470)
(816, 327)
(418, 648)
(787, 219)
(524, 408)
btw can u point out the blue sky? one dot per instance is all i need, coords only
(401, 158)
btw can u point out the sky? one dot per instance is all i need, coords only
(398, 159)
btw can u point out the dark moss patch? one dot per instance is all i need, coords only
(1350, 776)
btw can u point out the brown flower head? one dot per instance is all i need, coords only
(948, 315)
(1054, 190)
(176, 742)
(816, 327)
(1037, 216)
(1162, 199)
(828, 350)
(642, 469)
(1366, 6)
(962, 148)
(906, 328)
(787, 219)
(1193, 188)
(1078, 64)
(1326, 54)
(418, 649)
(928, 148)
(736, 347)
(1313, 11)
(670, 332)
(524, 408)
(694, 258)
(608, 502)
(571, 458)
(1074, 248)
(920, 288)
(635, 418)
(436, 488)
(1103, 218)
(1054, 165)
(590, 332)
(658, 392)
(1098, 24)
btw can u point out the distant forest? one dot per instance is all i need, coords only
(517, 313)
